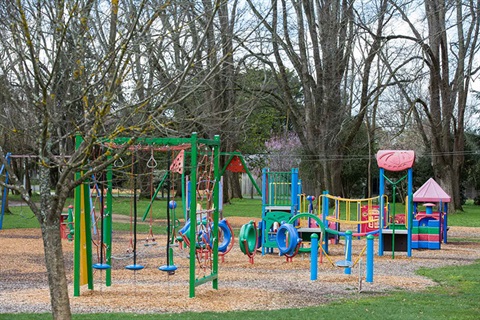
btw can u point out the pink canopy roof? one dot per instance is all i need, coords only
(395, 160)
(430, 192)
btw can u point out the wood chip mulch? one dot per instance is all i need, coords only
(269, 283)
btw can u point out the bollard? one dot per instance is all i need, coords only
(369, 277)
(348, 250)
(314, 257)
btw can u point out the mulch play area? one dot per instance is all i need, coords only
(269, 283)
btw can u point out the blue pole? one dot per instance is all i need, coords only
(314, 257)
(409, 210)
(294, 192)
(381, 191)
(5, 190)
(445, 222)
(324, 219)
(348, 250)
(189, 208)
(369, 277)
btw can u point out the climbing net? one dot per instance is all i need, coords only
(204, 191)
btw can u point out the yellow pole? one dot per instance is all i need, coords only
(83, 239)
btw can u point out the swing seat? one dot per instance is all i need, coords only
(344, 264)
(168, 269)
(101, 266)
(134, 267)
(151, 243)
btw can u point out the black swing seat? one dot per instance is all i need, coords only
(150, 243)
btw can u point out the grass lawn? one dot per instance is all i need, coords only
(470, 217)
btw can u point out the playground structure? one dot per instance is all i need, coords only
(396, 231)
(395, 161)
(289, 221)
(430, 226)
(280, 201)
(203, 214)
(225, 231)
(378, 216)
(413, 229)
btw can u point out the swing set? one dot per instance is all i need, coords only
(199, 149)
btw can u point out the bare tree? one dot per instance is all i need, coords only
(313, 42)
(449, 51)
(71, 74)
(212, 106)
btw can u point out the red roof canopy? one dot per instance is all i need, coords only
(430, 192)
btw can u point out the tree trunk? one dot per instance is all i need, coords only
(336, 177)
(456, 192)
(235, 185)
(231, 187)
(49, 220)
(447, 176)
(55, 267)
(28, 182)
(333, 176)
(447, 97)
(311, 174)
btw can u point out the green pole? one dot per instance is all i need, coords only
(250, 176)
(240, 156)
(193, 210)
(155, 195)
(230, 158)
(170, 260)
(394, 211)
(88, 234)
(108, 225)
(77, 244)
(216, 202)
